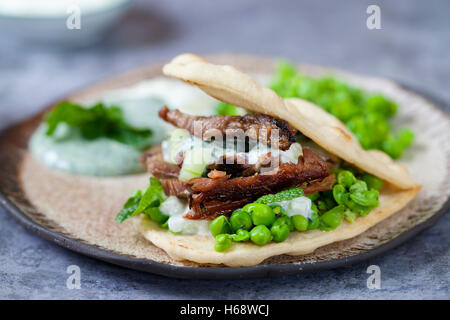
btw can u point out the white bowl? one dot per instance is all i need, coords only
(52, 28)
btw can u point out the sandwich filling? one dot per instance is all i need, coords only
(242, 178)
(219, 175)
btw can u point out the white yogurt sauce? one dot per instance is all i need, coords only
(297, 206)
(176, 208)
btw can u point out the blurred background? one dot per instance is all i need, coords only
(38, 66)
(41, 60)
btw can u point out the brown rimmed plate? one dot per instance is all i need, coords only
(422, 213)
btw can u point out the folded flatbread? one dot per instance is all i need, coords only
(232, 86)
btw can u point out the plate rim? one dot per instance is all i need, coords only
(224, 273)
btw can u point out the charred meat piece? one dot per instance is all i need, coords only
(319, 185)
(255, 126)
(175, 187)
(212, 209)
(310, 167)
(234, 165)
(153, 161)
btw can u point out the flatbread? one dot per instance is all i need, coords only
(232, 86)
(228, 84)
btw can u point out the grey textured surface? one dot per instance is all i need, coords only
(412, 47)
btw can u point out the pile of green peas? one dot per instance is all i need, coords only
(350, 198)
(255, 222)
(262, 223)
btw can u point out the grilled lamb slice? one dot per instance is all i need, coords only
(255, 126)
(234, 165)
(212, 209)
(310, 167)
(319, 185)
(153, 161)
(175, 187)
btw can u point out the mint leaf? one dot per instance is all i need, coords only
(97, 121)
(129, 207)
(153, 196)
(140, 201)
(284, 195)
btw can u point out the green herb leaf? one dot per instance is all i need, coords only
(129, 207)
(143, 202)
(97, 121)
(284, 195)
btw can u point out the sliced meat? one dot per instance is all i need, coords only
(319, 185)
(153, 161)
(175, 187)
(215, 174)
(234, 165)
(254, 125)
(310, 167)
(212, 209)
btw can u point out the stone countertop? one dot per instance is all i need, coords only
(411, 47)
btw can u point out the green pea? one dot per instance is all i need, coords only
(262, 214)
(365, 198)
(280, 232)
(240, 220)
(156, 215)
(339, 193)
(346, 178)
(313, 221)
(322, 205)
(165, 225)
(300, 222)
(324, 227)
(333, 217)
(260, 235)
(276, 209)
(314, 208)
(313, 196)
(286, 221)
(357, 208)
(350, 216)
(223, 242)
(241, 236)
(372, 181)
(220, 225)
(330, 203)
(358, 186)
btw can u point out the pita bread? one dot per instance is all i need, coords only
(232, 86)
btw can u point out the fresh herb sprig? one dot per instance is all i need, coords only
(284, 195)
(97, 121)
(147, 202)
